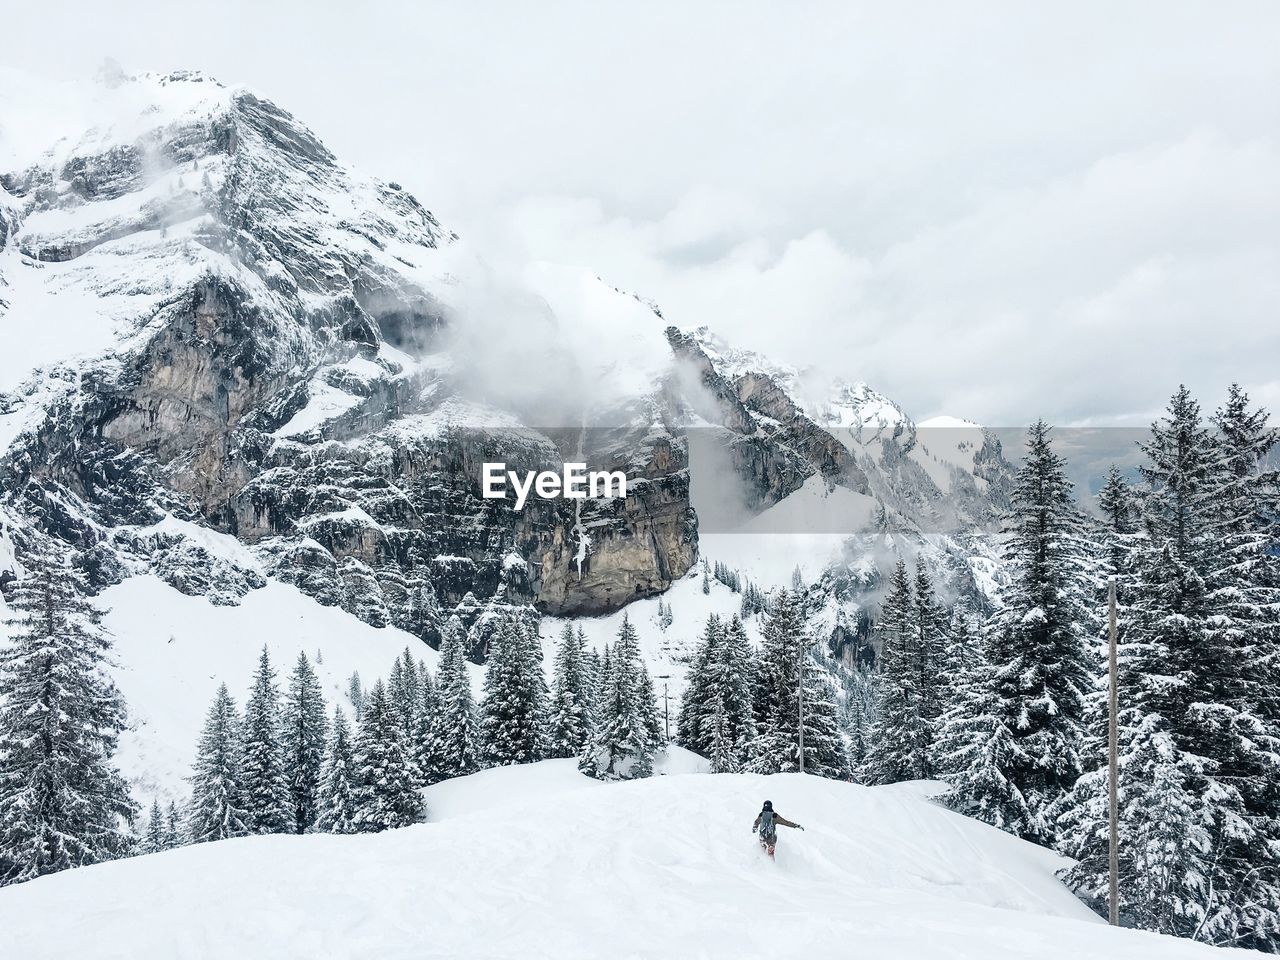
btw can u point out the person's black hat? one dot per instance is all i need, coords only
(768, 805)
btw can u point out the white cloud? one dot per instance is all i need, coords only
(1085, 299)
(990, 210)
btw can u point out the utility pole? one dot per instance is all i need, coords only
(666, 706)
(1113, 742)
(800, 698)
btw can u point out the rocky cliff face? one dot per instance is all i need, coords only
(288, 384)
(218, 326)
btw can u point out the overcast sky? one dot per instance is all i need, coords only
(984, 210)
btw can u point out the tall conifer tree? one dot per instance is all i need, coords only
(217, 779)
(1042, 672)
(267, 803)
(304, 734)
(513, 714)
(63, 803)
(571, 697)
(457, 743)
(621, 746)
(386, 794)
(338, 811)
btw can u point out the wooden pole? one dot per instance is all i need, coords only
(800, 701)
(1113, 742)
(666, 712)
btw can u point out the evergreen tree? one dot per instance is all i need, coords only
(1246, 587)
(1119, 509)
(1037, 646)
(305, 732)
(860, 712)
(603, 669)
(62, 801)
(404, 691)
(457, 734)
(267, 802)
(422, 746)
(654, 719)
(753, 601)
(928, 630)
(513, 714)
(173, 836)
(694, 704)
(716, 717)
(217, 794)
(1164, 834)
(975, 748)
(337, 802)
(156, 837)
(355, 693)
(622, 744)
(570, 699)
(386, 794)
(900, 744)
(591, 667)
(721, 749)
(786, 667)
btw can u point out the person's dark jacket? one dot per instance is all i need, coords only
(777, 818)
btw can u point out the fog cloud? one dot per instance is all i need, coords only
(988, 210)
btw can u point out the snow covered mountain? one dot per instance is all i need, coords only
(241, 378)
(539, 861)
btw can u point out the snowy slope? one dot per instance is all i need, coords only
(173, 650)
(533, 862)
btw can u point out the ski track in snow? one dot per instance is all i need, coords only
(540, 862)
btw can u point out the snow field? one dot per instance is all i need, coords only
(541, 862)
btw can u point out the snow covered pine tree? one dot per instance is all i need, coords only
(513, 714)
(456, 737)
(570, 699)
(622, 745)
(1035, 722)
(902, 740)
(386, 794)
(62, 802)
(337, 800)
(716, 717)
(217, 808)
(267, 803)
(304, 733)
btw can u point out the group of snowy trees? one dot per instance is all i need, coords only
(754, 600)
(622, 731)
(1022, 738)
(283, 766)
(744, 709)
(911, 688)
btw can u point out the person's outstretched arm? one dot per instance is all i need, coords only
(785, 822)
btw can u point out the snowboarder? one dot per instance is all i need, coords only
(767, 826)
